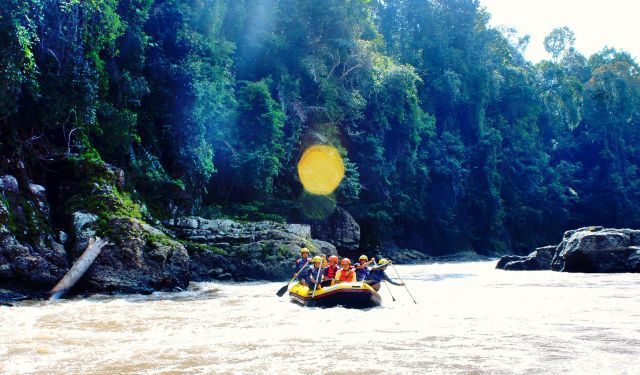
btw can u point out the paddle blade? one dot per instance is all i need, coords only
(282, 290)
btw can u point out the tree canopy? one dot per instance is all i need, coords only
(452, 140)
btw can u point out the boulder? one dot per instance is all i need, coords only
(35, 266)
(38, 191)
(227, 249)
(506, 259)
(339, 228)
(9, 183)
(633, 261)
(30, 258)
(403, 256)
(213, 231)
(138, 259)
(594, 249)
(83, 225)
(539, 259)
(39, 194)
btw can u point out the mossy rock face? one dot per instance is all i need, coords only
(138, 259)
(98, 188)
(251, 251)
(24, 215)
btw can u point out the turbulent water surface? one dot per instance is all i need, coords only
(469, 318)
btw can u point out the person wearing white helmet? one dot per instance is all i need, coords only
(377, 274)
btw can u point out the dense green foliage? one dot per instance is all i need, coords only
(452, 139)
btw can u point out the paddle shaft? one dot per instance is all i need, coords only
(405, 285)
(290, 281)
(389, 289)
(317, 282)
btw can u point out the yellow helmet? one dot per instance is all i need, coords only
(363, 257)
(316, 259)
(383, 262)
(304, 250)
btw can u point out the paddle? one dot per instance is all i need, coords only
(283, 290)
(389, 289)
(318, 282)
(405, 285)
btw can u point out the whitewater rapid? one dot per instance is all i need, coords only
(470, 318)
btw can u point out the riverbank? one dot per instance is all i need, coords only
(42, 234)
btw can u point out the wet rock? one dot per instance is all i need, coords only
(10, 295)
(4, 213)
(138, 259)
(300, 230)
(37, 266)
(225, 276)
(570, 233)
(6, 271)
(403, 256)
(255, 250)
(9, 183)
(340, 229)
(38, 191)
(62, 237)
(633, 261)
(634, 236)
(83, 226)
(508, 259)
(538, 260)
(320, 247)
(593, 249)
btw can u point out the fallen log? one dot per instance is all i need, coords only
(78, 269)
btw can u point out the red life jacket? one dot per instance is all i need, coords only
(330, 272)
(346, 276)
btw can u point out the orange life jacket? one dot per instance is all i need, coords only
(330, 272)
(346, 276)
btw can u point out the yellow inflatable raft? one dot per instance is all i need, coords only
(354, 295)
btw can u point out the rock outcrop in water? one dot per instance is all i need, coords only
(227, 249)
(589, 249)
(539, 259)
(596, 249)
(138, 259)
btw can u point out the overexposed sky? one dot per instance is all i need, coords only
(596, 23)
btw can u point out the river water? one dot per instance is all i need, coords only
(470, 319)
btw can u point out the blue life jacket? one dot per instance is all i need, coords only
(300, 263)
(304, 274)
(377, 275)
(362, 273)
(313, 271)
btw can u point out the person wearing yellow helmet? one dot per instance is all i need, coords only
(377, 275)
(362, 268)
(346, 273)
(314, 274)
(304, 258)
